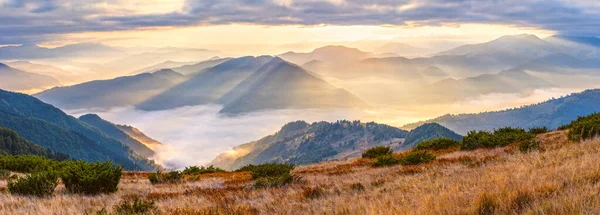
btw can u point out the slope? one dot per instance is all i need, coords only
(282, 85)
(17, 80)
(51, 128)
(207, 86)
(13, 144)
(552, 113)
(116, 133)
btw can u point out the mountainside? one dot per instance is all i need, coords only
(281, 85)
(552, 113)
(429, 131)
(13, 144)
(199, 67)
(139, 136)
(508, 81)
(63, 76)
(302, 143)
(207, 86)
(401, 49)
(329, 54)
(17, 80)
(121, 91)
(28, 51)
(49, 127)
(163, 65)
(116, 133)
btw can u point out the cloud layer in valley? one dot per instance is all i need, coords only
(195, 135)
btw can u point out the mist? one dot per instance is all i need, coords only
(195, 135)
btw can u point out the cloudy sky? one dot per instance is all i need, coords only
(255, 23)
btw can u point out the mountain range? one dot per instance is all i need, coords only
(303, 143)
(121, 91)
(551, 114)
(51, 128)
(17, 80)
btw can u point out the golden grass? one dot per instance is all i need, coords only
(561, 178)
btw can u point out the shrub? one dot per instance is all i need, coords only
(529, 145)
(267, 170)
(137, 206)
(276, 181)
(39, 184)
(27, 163)
(386, 160)
(4, 174)
(91, 178)
(437, 144)
(416, 157)
(159, 177)
(195, 170)
(500, 137)
(584, 127)
(538, 130)
(377, 151)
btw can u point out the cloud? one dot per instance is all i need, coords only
(20, 20)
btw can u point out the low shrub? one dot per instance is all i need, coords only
(27, 163)
(416, 157)
(437, 144)
(137, 206)
(386, 160)
(312, 192)
(276, 181)
(91, 178)
(538, 130)
(529, 145)
(39, 184)
(195, 170)
(4, 174)
(584, 127)
(267, 170)
(378, 151)
(159, 177)
(357, 187)
(498, 138)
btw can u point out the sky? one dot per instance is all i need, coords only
(272, 25)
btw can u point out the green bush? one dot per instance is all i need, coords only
(267, 170)
(416, 157)
(538, 130)
(437, 144)
(137, 206)
(584, 127)
(91, 178)
(159, 177)
(4, 174)
(39, 184)
(27, 163)
(529, 145)
(377, 151)
(195, 170)
(386, 160)
(276, 181)
(498, 138)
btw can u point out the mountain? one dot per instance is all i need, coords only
(559, 62)
(303, 143)
(330, 54)
(401, 49)
(200, 67)
(13, 144)
(164, 65)
(282, 85)
(552, 114)
(63, 76)
(29, 51)
(207, 86)
(121, 91)
(116, 133)
(508, 81)
(578, 46)
(134, 62)
(17, 80)
(139, 136)
(429, 131)
(51, 128)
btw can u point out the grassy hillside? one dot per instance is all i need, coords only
(559, 177)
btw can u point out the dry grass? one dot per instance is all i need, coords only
(560, 178)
